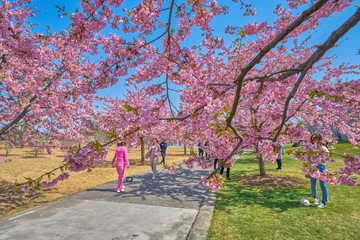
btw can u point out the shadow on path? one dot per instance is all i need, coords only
(182, 190)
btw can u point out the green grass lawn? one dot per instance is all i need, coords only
(246, 212)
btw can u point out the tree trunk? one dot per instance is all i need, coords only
(261, 161)
(184, 149)
(142, 150)
(261, 165)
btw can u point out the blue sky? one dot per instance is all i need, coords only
(347, 52)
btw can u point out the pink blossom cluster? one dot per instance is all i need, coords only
(296, 3)
(64, 148)
(205, 164)
(190, 162)
(26, 188)
(80, 159)
(145, 16)
(346, 179)
(215, 182)
(199, 160)
(352, 164)
(63, 176)
(202, 18)
(310, 152)
(267, 149)
(296, 133)
(286, 17)
(139, 115)
(333, 178)
(255, 28)
(3, 159)
(204, 13)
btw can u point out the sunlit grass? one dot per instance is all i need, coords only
(245, 212)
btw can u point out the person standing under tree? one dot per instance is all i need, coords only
(280, 152)
(191, 149)
(227, 165)
(201, 151)
(163, 146)
(122, 162)
(153, 154)
(316, 139)
(206, 144)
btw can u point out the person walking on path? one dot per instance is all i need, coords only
(280, 152)
(316, 139)
(122, 162)
(163, 146)
(153, 154)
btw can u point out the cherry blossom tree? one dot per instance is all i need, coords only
(257, 90)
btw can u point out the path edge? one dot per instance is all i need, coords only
(200, 227)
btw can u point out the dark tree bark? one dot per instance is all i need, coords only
(142, 150)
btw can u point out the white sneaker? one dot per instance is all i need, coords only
(322, 205)
(118, 191)
(316, 201)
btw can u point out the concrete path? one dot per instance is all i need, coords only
(170, 207)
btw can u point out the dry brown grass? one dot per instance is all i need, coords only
(23, 164)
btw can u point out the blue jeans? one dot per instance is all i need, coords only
(279, 162)
(163, 157)
(325, 197)
(201, 152)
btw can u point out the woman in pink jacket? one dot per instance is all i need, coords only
(122, 161)
(153, 154)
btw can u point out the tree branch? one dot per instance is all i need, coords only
(239, 80)
(263, 78)
(27, 108)
(227, 158)
(201, 106)
(307, 65)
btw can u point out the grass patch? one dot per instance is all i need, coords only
(250, 212)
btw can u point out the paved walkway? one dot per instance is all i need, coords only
(170, 207)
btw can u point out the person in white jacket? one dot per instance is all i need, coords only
(316, 139)
(280, 152)
(153, 154)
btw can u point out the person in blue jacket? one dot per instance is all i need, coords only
(163, 146)
(201, 151)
